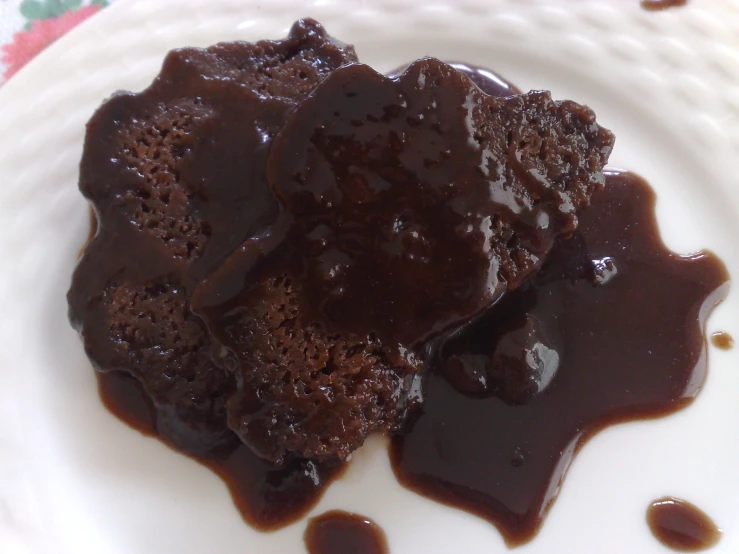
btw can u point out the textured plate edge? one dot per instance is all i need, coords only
(91, 29)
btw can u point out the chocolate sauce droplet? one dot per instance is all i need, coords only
(681, 526)
(338, 532)
(722, 340)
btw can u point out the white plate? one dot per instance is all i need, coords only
(74, 479)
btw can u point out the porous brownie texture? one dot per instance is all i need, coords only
(175, 175)
(303, 390)
(411, 204)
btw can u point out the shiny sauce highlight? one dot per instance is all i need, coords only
(338, 532)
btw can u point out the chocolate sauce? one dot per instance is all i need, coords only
(409, 206)
(338, 532)
(658, 5)
(416, 201)
(489, 82)
(267, 496)
(609, 330)
(681, 526)
(176, 177)
(602, 274)
(722, 340)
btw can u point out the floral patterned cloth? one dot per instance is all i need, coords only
(29, 26)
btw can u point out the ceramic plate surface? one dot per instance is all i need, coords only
(73, 479)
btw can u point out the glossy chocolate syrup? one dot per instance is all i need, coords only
(416, 201)
(489, 82)
(658, 5)
(267, 496)
(609, 330)
(338, 532)
(722, 340)
(175, 175)
(681, 526)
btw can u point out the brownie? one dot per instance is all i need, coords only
(303, 390)
(176, 178)
(409, 206)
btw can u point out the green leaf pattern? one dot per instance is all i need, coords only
(34, 10)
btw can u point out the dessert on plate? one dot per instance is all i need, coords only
(294, 251)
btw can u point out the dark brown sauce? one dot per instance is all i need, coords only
(610, 330)
(268, 497)
(681, 526)
(175, 174)
(409, 206)
(489, 82)
(338, 532)
(658, 5)
(410, 209)
(125, 398)
(722, 340)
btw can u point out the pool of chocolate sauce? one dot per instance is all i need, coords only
(681, 526)
(610, 330)
(613, 324)
(339, 532)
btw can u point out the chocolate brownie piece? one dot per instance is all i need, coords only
(176, 177)
(303, 390)
(410, 205)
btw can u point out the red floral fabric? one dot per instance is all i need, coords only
(29, 26)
